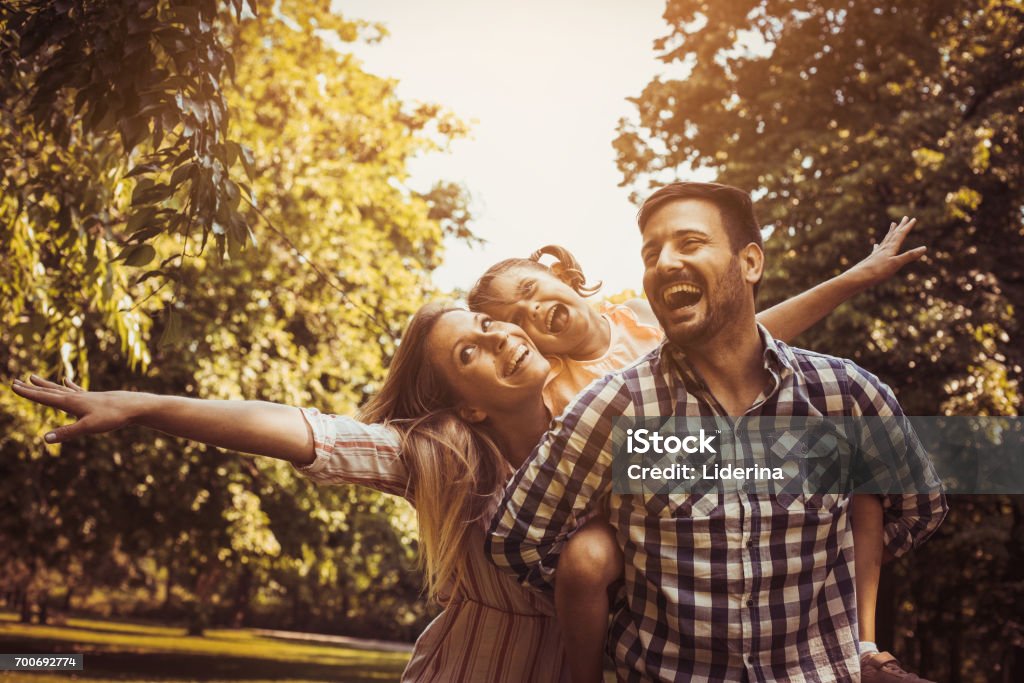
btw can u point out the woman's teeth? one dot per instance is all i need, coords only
(681, 295)
(517, 360)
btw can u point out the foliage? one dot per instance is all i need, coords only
(321, 253)
(841, 117)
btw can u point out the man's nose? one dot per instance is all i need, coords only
(669, 261)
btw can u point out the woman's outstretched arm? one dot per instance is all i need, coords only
(257, 427)
(788, 319)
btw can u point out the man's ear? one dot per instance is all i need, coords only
(471, 415)
(752, 263)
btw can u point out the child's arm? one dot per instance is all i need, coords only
(793, 316)
(258, 427)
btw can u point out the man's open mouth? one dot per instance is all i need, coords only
(557, 319)
(682, 295)
(517, 360)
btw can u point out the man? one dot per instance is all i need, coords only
(719, 586)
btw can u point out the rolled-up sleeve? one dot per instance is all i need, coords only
(350, 452)
(913, 505)
(558, 487)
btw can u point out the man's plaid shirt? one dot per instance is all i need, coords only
(720, 586)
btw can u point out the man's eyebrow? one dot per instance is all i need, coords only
(677, 233)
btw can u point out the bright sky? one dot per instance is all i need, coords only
(543, 85)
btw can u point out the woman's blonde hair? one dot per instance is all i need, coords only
(455, 468)
(565, 267)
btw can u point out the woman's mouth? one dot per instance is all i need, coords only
(682, 295)
(517, 360)
(557, 319)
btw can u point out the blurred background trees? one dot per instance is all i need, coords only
(843, 116)
(206, 199)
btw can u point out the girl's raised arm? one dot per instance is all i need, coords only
(257, 427)
(788, 319)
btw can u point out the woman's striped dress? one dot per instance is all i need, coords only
(495, 631)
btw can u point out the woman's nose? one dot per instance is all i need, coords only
(499, 337)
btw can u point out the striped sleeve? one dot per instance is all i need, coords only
(350, 452)
(915, 505)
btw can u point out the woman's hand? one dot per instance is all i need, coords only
(885, 258)
(97, 411)
(259, 427)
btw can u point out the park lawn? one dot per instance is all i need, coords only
(125, 651)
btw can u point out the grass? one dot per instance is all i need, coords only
(126, 651)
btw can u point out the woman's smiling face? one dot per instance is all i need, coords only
(548, 310)
(491, 366)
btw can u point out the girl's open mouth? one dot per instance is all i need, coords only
(557, 319)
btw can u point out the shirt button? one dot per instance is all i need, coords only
(750, 544)
(750, 603)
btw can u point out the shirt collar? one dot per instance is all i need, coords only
(778, 359)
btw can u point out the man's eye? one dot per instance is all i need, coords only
(485, 324)
(529, 287)
(465, 355)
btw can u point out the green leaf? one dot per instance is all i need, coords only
(141, 169)
(137, 255)
(141, 218)
(172, 329)
(145, 234)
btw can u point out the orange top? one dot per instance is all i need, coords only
(630, 339)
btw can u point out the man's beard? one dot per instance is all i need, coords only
(725, 300)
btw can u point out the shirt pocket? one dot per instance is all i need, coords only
(813, 469)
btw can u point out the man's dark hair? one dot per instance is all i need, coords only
(734, 205)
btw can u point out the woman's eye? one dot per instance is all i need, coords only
(485, 324)
(465, 355)
(529, 287)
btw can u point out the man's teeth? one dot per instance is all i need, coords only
(550, 318)
(683, 294)
(517, 360)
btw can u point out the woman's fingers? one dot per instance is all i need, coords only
(47, 397)
(40, 382)
(68, 432)
(71, 385)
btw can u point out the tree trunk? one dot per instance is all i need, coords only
(26, 609)
(243, 595)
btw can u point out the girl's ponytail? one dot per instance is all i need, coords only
(566, 268)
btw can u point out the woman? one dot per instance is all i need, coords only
(461, 407)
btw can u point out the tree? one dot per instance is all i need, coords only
(843, 116)
(338, 252)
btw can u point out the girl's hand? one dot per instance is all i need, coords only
(885, 258)
(97, 411)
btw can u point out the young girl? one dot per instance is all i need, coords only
(584, 343)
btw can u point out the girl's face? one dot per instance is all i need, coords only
(492, 366)
(551, 312)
